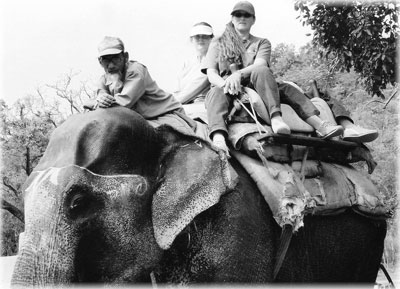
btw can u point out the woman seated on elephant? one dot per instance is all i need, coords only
(192, 83)
(251, 55)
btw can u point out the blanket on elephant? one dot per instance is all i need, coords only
(327, 189)
(242, 134)
(330, 185)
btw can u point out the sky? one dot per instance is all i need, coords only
(43, 40)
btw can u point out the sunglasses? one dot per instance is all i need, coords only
(115, 59)
(242, 14)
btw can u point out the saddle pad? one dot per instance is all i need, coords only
(197, 111)
(330, 190)
(289, 116)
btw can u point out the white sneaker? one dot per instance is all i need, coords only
(359, 134)
(329, 130)
(279, 126)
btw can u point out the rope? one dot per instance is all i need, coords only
(303, 165)
(286, 236)
(253, 116)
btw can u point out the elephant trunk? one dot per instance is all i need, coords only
(31, 270)
(44, 260)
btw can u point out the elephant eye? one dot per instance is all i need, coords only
(81, 205)
(78, 202)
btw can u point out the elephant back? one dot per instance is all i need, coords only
(105, 142)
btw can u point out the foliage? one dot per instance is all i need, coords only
(300, 67)
(10, 229)
(356, 34)
(283, 58)
(25, 130)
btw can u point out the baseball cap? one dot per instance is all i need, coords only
(244, 6)
(110, 45)
(201, 29)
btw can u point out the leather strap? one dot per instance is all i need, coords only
(387, 275)
(286, 236)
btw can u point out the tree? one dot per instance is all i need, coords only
(283, 58)
(356, 34)
(24, 137)
(301, 66)
(25, 130)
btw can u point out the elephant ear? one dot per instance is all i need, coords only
(195, 176)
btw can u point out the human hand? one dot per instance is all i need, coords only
(232, 83)
(105, 100)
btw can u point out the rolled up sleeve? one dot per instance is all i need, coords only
(264, 51)
(211, 59)
(133, 90)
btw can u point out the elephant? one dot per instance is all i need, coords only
(114, 200)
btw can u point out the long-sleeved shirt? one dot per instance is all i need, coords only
(138, 91)
(192, 83)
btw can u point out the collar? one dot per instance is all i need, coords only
(248, 39)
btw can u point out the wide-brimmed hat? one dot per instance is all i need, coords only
(110, 45)
(244, 6)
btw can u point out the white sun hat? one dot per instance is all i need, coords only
(201, 30)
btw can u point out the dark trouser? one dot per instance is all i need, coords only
(271, 92)
(338, 110)
(297, 100)
(217, 104)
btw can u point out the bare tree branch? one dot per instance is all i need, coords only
(40, 94)
(375, 100)
(11, 187)
(89, 95)
(19, 214)
(50, 119)
(28, 161)
(35, 158)
(64, 93)
(396, 90)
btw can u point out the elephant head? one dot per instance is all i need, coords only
(110, 195)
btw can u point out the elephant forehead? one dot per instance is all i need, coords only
(38, 178)
(54, 180)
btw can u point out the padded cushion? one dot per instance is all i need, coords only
(197, 111)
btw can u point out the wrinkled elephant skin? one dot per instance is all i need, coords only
(114, 199)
